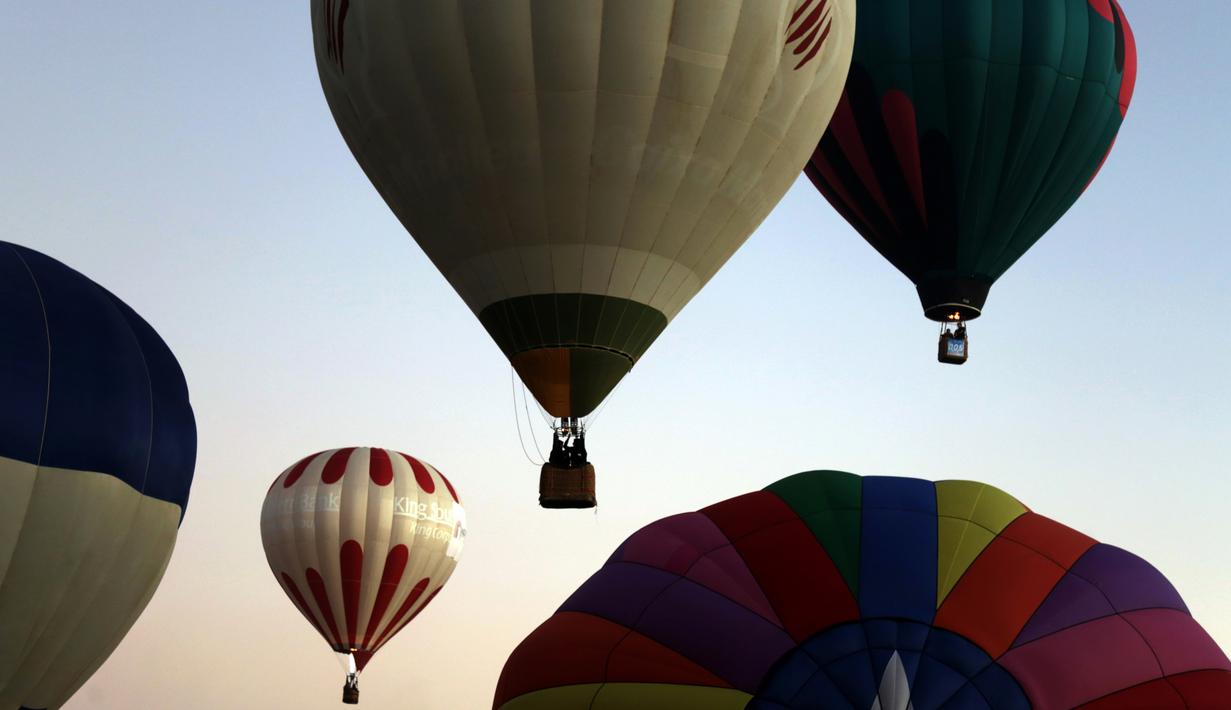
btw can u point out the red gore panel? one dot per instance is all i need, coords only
(1155, 695)
(1010, 579)
(1204, 690)
(569, 648)
(638, 659)
(748, 513)
(801, 582)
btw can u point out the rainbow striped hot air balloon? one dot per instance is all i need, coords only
(828, 590)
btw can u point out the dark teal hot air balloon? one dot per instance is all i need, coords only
(968, 128)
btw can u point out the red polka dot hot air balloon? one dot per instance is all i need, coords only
(361, 540)
(829, 590)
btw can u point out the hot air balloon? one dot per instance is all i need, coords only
(97, 448)
(829, 590)
(965, 132)
(579, 169)
(361, 540)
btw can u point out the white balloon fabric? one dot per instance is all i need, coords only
(579, 169)
(361, 540)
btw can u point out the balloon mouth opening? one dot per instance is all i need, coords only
(953, 299)
(951, 312)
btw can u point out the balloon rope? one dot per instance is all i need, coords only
(521, 439)
(602, 407)
(525, 402)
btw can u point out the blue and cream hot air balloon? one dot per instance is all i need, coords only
(97, 447)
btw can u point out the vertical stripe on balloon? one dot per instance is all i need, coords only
(297, 471)
(292, 589)
(448, 485)
(416, 613)
(317, 585)
(422, 477)
(335, 468)
(395, 565)
(352, 582)
(393, 625)
(380, 469)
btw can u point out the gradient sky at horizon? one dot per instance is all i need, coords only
(182, 155)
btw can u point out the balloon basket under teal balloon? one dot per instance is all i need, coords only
(954, 346)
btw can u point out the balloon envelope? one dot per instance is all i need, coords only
(830, 590)
(967, 129)
(361, 540)
(97, 448)
(579, 169)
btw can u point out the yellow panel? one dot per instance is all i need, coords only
(988, 507)
(568, 697)
(620, 696)
(959, 544)
(653, 696)
(969, 516)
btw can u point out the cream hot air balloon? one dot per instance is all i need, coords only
(361, 540)
(579, 169)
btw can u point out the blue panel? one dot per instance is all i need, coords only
(950, 672)
(173, 453)
(1001, 689)
(821, 692)
(23, 360)
(969, 698)
(116, 399)
(853, 676)
(914, 636)
(897, 565)
(934, 684)
(836, 642)
(957, 653)
(790, 676)
(99, 406)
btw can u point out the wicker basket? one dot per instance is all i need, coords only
(567, 487)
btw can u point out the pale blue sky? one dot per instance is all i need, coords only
(182, 154)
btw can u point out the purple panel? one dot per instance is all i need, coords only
(1079, 664)
(673, 543)
(619, 592)
(1103, 581)
(724, 571)
(1128, 581)
(726, 639)
(1179, 641)
(1071, 602)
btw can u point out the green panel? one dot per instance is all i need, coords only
(830, 503)
(592, 375)
(573, 319)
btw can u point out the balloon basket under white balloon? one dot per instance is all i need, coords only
(350, 690)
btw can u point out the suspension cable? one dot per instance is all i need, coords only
(517, 418)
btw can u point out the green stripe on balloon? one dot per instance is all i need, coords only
(573, 319)
(830, 504)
